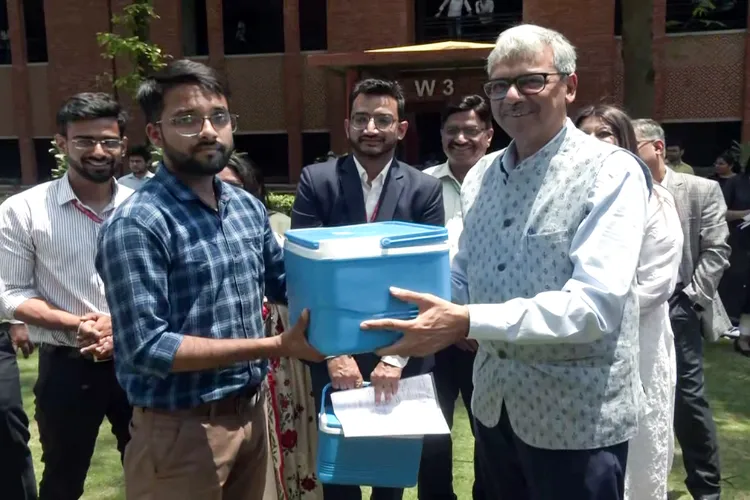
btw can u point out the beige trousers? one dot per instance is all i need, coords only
(218, 451)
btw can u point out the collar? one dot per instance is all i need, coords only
(546, 151)
(363, 174)
(180, 191)
(65, 192)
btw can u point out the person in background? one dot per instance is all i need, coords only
(726, 166)
(291, 418)
(466, 134)
(185, 264)
(650, 452)
(367, 185)
(674, 154)
(139, 159)
(48, 244)
(17, 479)
(735, 283)
(705, 255)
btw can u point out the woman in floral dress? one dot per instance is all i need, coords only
(292, 432)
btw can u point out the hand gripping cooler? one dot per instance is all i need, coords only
(343, 275)
(386, 462)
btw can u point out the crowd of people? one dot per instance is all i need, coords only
(584, 278)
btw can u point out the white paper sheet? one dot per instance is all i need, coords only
(413, 411)
(745, 221)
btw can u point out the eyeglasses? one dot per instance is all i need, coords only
(528, 84)
(190, 125)
(468, 132)
(361, 121)
(87, 144)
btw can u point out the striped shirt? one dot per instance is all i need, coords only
(172, 266)
(48, 244)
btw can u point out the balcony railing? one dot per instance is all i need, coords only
(684, 16)
(469, 28)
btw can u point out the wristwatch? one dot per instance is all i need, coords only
(693, 305)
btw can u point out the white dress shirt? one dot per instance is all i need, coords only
(48, 248)
(371, 191)
(454, 221)
(133, 182)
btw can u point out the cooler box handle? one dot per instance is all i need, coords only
(438, 236)
(325, 392)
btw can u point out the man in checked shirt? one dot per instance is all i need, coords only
(48, 243)
(186, 263)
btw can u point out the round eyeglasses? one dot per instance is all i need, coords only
(528, 84)
(360, 121)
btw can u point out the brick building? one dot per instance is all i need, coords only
(289, 64)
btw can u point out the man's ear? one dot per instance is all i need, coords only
(153, 132)
(403, 126)
(61, 142)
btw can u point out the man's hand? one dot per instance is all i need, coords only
(103, 349)
(102, 322)
(19, 337)
(439, 324)
(293, 343)
(384, 379)
(344, 373)
(93, 328)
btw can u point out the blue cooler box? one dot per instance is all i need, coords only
(343, 274)
(387, 462)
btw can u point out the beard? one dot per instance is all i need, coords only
(191, 164)
(98, 174)
(385, 148)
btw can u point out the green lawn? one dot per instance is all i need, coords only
(728, 378)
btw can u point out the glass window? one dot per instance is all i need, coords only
(703, 141)
(253, 27)
(10, 161)
(453, 21)
(315, 146)
(684, 16)
(313, 19)
(5, 57)
(45, 161)
(36, 30)
(194, 28)
(269, 151)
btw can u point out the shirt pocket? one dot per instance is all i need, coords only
(547, 260)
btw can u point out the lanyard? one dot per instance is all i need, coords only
(88, 213)
(375, 213)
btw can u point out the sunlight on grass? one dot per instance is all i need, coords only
(727, 376)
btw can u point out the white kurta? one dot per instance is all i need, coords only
(650, 452)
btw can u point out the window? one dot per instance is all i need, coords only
(313, 19)
(703, 141)
(36, 30)
(269, 152)
(685, 16)
(194, 28)
(453, 22)
(10, 161)
(253, 27)
(5, 57)
(315, 146)
(45, 161)
(618, 17)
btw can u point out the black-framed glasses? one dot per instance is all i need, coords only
(191, 124)
(383, 122)
(468, 132)
(528, 84)
(87, 144)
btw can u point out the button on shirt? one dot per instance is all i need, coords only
(371, 191)
(48, 244)
(173, 266)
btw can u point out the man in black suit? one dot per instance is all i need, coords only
(368, 185)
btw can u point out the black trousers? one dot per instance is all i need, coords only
(17, 481)
(73, 395)
(693, 420)
(453, 376)
(319, 379)
(513, 470)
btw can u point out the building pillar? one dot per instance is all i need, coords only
(215, 22)
(166, 32)
(21, 92)
(293, 88)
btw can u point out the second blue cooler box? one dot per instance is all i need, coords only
(343, 275)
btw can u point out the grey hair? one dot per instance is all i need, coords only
(525, 41)
(648, 130)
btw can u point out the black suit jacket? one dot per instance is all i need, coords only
(330, 194)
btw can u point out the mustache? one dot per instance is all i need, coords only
(211, 144)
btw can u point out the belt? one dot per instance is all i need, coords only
(233, 404)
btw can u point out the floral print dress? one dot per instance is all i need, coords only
(291, 418)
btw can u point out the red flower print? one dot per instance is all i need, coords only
(289, 439)
(284, 403)
(308, 484)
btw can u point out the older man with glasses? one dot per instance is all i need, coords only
(544, 280)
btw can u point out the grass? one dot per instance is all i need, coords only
(728, 380)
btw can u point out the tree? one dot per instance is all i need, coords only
(133, 45)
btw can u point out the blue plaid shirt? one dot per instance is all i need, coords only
(171, 267)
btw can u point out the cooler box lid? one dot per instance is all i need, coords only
(366, 240)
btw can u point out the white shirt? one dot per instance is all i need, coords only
(454, 221)
(133, 182)
(371, 191)
(48, 248)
